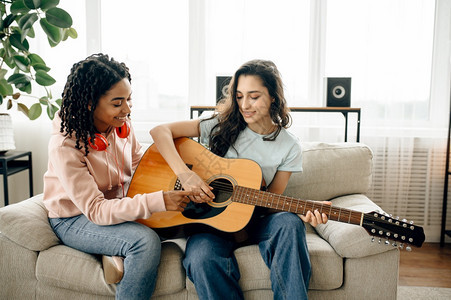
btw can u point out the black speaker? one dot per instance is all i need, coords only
(338, 91)
(222, 83)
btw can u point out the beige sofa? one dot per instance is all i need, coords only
(346, 263)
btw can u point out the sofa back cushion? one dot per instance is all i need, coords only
(331, 170)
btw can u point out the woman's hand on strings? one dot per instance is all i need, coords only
(315, 217)
(200, 190)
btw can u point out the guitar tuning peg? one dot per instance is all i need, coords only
(397, 218)
(411, 222)
(387, 242)
(379, 241)
(372, 239)
(401, 246)
(394, 244)
(408, 248)
(404, 220)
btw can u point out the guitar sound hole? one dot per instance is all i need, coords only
(222, 189)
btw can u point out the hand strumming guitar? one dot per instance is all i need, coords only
(200, 190)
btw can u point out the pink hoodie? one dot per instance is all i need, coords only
(76, 184)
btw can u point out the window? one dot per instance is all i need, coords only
(175, 54)
(386, 47)
(238, 31)
(151, 37)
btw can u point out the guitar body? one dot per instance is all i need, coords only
(154, 174)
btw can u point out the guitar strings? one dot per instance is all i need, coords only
(336, 213)
(222, 186)
(309, 204)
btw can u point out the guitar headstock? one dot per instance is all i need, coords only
(385, 227)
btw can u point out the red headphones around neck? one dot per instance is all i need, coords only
(100, 142)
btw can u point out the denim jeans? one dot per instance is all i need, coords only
(212, 267)
(138, 244)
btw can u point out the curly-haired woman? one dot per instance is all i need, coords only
(92, 154)
(249, 123)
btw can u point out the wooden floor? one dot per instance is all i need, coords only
(429, 265)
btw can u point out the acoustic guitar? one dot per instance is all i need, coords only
(236, 185)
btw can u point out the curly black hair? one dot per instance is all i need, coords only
(231, 122)
(88, 80)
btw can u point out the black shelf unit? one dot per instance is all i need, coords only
(12, 162)
(343, 110)
(444, 231)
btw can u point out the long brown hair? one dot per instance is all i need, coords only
(231, 122)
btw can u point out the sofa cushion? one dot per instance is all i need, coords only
(352, 241)
(67, 268)
(331, 170)
(83, 272)
(327, 266)
(26, 224)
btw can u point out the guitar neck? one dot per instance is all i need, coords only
(285, 203)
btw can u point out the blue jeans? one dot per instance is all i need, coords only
(138, 244)
(212, 267)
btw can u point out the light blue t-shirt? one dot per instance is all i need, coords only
(282, 154)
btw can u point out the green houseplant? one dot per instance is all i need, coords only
(20, 68)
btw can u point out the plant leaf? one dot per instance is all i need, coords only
(26, 24)
(36, 59)
(65, 34)
(18, 7)
(52, 43)
(1, 99)
(41, 67)
(52, 32)
(73, 33)
(31, 33)
(44, 100)
(51, 110)
(32, 4)
(22, 62)
(25, 88)
(23, 108)
(46, 4)
(7, 21)
(58, 17)
(10, 62)
(44, 79)
(16, 41)
(19, 78)
(35, 111)
(21, 81)
(27, 21)
(6, 89)
(3, 73)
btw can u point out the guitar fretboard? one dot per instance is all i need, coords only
(285, 203)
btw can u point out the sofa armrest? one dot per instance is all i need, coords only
(352, 241)
(26, 223)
